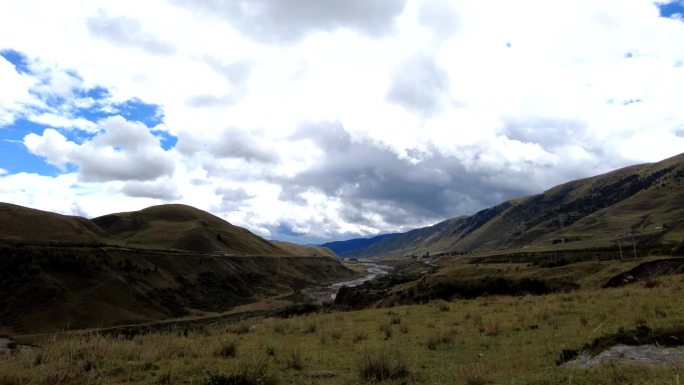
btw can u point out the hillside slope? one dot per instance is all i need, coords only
(305, 250)
(167, 261)
(47, 288)
(23, 224)
(644, 200)
(182, 227)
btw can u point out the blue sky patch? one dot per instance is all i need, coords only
(139, 111)
(93, 104)
(19, 60)
(675, 8)
(15, 157)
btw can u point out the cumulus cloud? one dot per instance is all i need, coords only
(419, 85)
(127, 32)
(122, 151)
(439, 15)
(425, 109)
(377, 186)
(290, 20)
(232, 198)
(230, 143)
(163, 188)
(547, 132)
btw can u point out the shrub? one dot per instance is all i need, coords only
(310, 327)
(382, 365)
(492, 329)
(251, 371)
(226, 350)
(359, 336)
(386, 329)
(164, 378)
(336, 335)
(241, 327)
(474, 376)
(294, 360)
(440, 338)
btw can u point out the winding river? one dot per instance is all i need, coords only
(327, 293)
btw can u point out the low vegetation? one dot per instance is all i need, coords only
(519, 339)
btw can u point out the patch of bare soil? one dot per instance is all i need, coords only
(648, 271)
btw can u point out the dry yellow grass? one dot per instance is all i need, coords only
(512, 340)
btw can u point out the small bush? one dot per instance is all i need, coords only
(443, 306)
(226, 350)
(359, 336)
(492, 329)
(279, 327)
(310, 327)
(11, 345)
(474, 376)
(440, 338)
(386, 329)
(251, 371)
(241, 327)
(294, 360)
(164, 378)
(382, 365)
(395, 320)
(651, 283)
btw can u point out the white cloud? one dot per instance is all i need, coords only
(122, 151)
(14, 92)
(543, 89)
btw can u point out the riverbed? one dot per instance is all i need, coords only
(325, 294)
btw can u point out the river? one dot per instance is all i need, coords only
(323, 294)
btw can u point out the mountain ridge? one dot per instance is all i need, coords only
(589, 212)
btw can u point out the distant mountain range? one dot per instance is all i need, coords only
(645, 201)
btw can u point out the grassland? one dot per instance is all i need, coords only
(486, 340)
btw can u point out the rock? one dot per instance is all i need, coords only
(646, 355)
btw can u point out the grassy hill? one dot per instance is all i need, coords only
(162, 262)
(305, 250)
(22, 224)
(646, 201)
(185, 228)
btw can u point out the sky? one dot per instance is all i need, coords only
(313, 120)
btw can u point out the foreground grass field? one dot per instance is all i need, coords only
(488, 340)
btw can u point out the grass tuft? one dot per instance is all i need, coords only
(382, 365)
(226, 350)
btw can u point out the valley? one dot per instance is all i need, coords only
(534, 290)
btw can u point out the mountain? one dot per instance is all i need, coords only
(59, 272)
(645, 201)
(350, 247)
